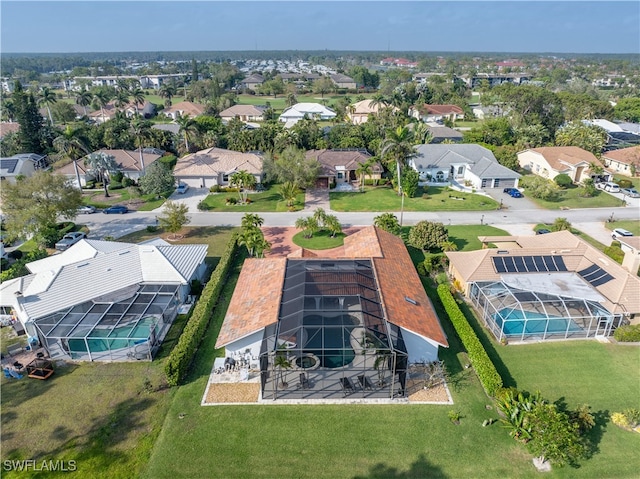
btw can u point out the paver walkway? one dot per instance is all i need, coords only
(280, 238)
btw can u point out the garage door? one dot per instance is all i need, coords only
(505, 182)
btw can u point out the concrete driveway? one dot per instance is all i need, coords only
(191, 198)
(512, 204)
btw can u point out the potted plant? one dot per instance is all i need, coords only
(282, 363)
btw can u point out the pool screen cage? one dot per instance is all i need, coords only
(331, 340)
(128, 325)
(519, 315)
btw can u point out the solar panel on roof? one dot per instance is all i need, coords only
(8, 164)
(531, 267)
(540, 263)
(510, 265)
(603, 279)
(587, 271)
(519, 262)
(595, 275)
(498, 263)
(549, 264)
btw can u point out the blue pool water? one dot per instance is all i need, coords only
(117, 338)
(330, 343)
(536, 323)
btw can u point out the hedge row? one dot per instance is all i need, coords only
(627, 334)
(183, 353)
(485, 369)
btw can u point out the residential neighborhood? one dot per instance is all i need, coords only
(201, 250)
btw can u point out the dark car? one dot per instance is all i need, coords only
(513, 192)
(543, 231)
(116, 210)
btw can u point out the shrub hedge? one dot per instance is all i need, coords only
(628, 333)
(484, 367)
(183, 353)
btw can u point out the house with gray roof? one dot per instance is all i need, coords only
(24, 164)
(104, 300)
(468, 165)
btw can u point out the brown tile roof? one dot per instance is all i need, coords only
(560, 157)
(186, 108)
(622, 293)
(363, 244)
(256, 300)
(213, 161)
(627, 156)
(441, 109)
(242, 110)
(350, 159)
(128, 161)
(6, 127)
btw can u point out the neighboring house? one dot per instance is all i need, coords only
(359, 112)
(339, 166)
(553, 286)
(244, 113)
(8, 127)
(252, 82)
(631, 247)
(102, 115)
(496, 79)
(625, 161)
(170, 127)
(444, 133)
(630, 127)
(146, 110)
(104, 300)
(343, 81)
(297, 112)
(128, 162)
(551, 161)
(156, 81)
(362, 313)
(184, 108)
(214, 166)
(428, 113)
(24, 164)
(465, 164)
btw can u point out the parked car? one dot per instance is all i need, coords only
(86, 210)
(611, 187)
(513, 192)
(543, 231)
(630, 192)
(620, 232)
(182, 188)
(116, 210)
(69, 240)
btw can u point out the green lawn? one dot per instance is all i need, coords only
(104, 416)
(630, 225)
(570, 198)
(320, 240)
(269, 200)
(123, 195)
(434, 198)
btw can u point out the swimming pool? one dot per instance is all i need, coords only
(331, 343)
(517, 322)
(101, 340)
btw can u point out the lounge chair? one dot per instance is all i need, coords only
(365, 382)
(347, 386)
(304, 381)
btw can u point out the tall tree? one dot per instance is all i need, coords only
(188, 129)
(323, 85)
(83, 98)
(243, 180)
(174, 217)
(102, 166)
(167, 91)
(588, 137)
(365, 169)
(398, 147)
(30, 120)
(47, 98)
(141, 130)
(158, 180)
(137, 98)
(101, 97)
(33, 204)
(70, 144)
(292, 165)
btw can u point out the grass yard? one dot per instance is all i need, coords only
(320, 240)
(105, 416)
(570, 198)
(630, 225)
(123, 195)
(433, 198)
(269, 200)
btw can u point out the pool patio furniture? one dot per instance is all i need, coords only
(347, 386)
(40, 369)
(365, 382)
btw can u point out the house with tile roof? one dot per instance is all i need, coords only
(551, 161)
(343, 81)
(625, 161)
(252, 82)
(340, 165)
(359, 112)
(365, 314)
(244, 113)
(104, 300)
(553, 286)
(8, 127)
(436, 113)
(214, 166)
(184, 108)
(469, 165)
(444, 133)
(129, 164)
(297, 112)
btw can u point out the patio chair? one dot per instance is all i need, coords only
(347, 386)
(304, 381)
(365, 382)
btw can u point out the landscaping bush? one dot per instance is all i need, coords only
(563, 180)
(169, 160)
(203, 206)
(628, 333)
(183, 353)
(485, 369)
(152, 229)
(15, 254)
(231, 201)
(127, 182)
(215, 189)
(421, 270)
(18, 268)
(615, 253)
(90, 185)
(624, 183)
(115, 185)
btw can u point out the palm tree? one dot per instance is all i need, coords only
(250, 220)
(188, 128)
(288, 191)
(332, 224)
(421, 134)
(378, 100)
(47, 98)
(398, 146)
(448, 246)
(70, 145)
(83, 98)
(363, 170)
(122, 98)
(308, 225)
(101, 97)
(102, 166)
(167, 91)
(282, 363)
(141, 130)
(243, 180)
(561, 224)
(137, 97)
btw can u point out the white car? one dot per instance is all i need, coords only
(86, 210)
(69, 240)
(611, 187)
(620, 232)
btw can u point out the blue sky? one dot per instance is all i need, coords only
(500, 26)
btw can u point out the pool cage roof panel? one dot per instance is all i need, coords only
(100, 319)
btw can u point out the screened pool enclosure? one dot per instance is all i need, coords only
(127, 325)
(332, 340)
(523, 314)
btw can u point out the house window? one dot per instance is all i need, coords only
(530, 167)
(496, 182)
(537, 168)
(225, 178)
(340, 175)
(484, 183)
(460, 170)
